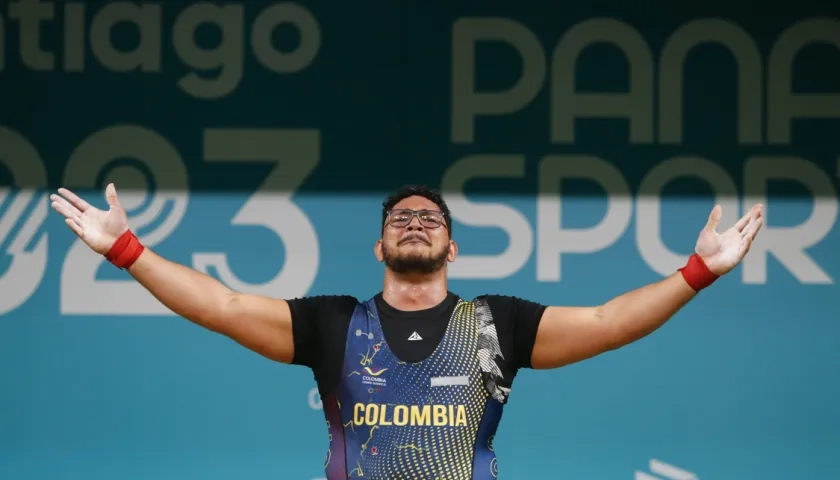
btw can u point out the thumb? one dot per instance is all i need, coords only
(714, 218)
(111, 195)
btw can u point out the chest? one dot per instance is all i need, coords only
(440, 366)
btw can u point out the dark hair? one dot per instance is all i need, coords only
(416, 191)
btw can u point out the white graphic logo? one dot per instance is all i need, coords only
(373, 377)
(415, 336)
(662, 471)
(292, 154)
(359, 333)
(27, 268)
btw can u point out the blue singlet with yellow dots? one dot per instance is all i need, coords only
(434, 419)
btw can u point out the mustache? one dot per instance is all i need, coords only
(414, 236)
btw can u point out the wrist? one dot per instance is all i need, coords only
(697, 274)
(125, 251)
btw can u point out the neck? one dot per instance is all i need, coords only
(414, 291)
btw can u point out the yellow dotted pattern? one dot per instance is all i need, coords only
(434, 452)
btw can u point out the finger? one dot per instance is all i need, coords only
(744, 221)
(745, 229)
(111, 195)
(714, 218)
(752, 229)
(74, 199)
(77, 229)
(63, 207)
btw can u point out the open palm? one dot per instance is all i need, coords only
(721, 252)
(97, 228)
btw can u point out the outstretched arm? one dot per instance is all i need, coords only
(570, 334)
(259, 323)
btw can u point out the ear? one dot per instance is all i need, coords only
(377, 250)
(453, 251)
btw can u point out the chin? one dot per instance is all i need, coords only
(414, 249)
(413, 257)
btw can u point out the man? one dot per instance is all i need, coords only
(413, 380)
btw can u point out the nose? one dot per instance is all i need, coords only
(414, 225)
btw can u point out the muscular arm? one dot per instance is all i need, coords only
(570, 334)
(259, 323)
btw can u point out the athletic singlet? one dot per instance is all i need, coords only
(433, 419)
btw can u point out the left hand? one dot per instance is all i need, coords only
(723, 251)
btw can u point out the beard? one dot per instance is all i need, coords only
(414, 262)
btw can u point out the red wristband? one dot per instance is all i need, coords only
(697, 274)
(125, 251)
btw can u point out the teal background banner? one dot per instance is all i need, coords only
(580, 146)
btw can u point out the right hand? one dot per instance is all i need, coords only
(98, 229)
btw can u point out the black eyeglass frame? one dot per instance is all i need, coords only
(417, 213)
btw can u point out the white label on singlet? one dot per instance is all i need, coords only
(450, 381)
(415, 336)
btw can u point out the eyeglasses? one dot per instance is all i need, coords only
(427, 218)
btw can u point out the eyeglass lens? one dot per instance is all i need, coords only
(428, 218)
